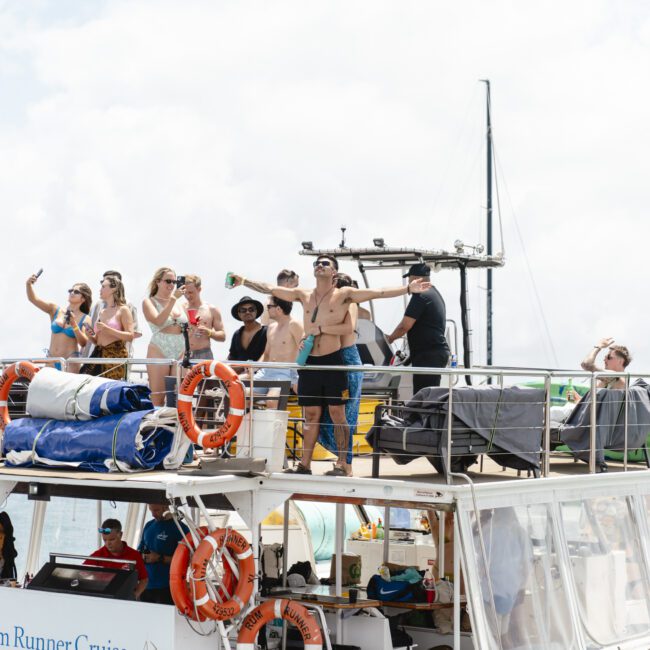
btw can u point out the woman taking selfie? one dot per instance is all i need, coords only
(113, 329)
(66, 325)
(165, 318)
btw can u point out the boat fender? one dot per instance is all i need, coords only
(22, 369)
(290, 611)
(243, 555)
(181, 589)
(232, 383)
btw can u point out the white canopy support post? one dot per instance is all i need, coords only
(99, 523)
(456, 584)
(386, 533)
(35, 537)
(441, 544)
(338, 550)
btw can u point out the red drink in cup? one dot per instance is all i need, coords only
(193, 315)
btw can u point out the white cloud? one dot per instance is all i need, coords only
(215, 136)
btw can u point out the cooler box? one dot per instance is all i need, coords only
(267, 440)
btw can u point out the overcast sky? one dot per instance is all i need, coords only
(214, 136)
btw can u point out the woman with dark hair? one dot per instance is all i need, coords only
(113, 329)
(7, 549)
(355, 379)
(165, 318)
(67, 325)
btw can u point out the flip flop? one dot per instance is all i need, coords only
(298, 469)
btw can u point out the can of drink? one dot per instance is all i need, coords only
(230, 280)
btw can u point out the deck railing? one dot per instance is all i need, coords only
(450, 377)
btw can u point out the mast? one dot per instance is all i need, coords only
(489, 222)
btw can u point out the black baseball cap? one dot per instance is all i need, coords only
(418, 271)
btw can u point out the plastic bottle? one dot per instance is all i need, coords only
(380, 529)
(569, 390)
(429, 585)
(374, 530)
(384, 573)
(305, 351)
(453, 363)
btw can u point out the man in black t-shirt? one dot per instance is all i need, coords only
(249, 341)
(424, 324)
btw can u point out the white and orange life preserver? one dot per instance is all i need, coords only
(236, 411)
(291, 612)
(22, 369)
(181, 590)
(243, 554)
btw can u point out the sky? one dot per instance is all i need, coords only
(215, 136)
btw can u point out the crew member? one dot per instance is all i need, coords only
(160, 538)
(424, 324)
(115, 549)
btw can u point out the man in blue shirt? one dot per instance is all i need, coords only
(160, 538)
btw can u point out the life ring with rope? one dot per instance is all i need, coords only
(236, 410)
(179, 586)
(290, 611)
(20, 369)
(222, 539)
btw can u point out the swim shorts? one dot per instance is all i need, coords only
(323, 387)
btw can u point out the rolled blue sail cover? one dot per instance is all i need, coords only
(69, 396)
(127, 442)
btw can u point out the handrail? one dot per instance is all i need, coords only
(545, 375)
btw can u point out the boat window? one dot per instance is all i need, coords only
(607, 568)
(399, 517)
(521, 584)
(20, 509)
(70, 525)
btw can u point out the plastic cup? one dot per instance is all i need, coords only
(192, 314)
(431, 595)
(352, 595)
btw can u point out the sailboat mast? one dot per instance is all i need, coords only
(489, 223)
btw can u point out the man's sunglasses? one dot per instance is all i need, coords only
(271, 304)
(168, 281)
(322, 263)
(244, 310)
(106, 531)
(75, 291)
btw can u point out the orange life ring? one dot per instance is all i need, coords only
(235, 388)
(291, 612)
(22, 369)
(243, 554)
(180, 589)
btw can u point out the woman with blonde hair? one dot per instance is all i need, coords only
(165, 318)
(113, 329)
(66, 325)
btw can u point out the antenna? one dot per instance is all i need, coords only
(342, 244)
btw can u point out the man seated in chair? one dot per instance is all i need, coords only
(282, 340)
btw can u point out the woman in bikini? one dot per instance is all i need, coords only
(113, 329)
(67, 325)
(165, 317)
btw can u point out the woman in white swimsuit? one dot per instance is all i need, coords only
(165, 317)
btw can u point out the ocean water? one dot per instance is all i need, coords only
(70, 525)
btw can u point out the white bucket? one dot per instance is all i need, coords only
(268, 439)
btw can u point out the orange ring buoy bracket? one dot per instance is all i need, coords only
(235, 543)
(291, 612)
(217, 438)
(22, 369)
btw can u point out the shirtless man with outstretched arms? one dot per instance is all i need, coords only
(326, 315)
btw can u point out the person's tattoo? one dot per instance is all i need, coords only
(341, 436)
(260, 287)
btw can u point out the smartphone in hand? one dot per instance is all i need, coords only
(38, 273)
(180, 281)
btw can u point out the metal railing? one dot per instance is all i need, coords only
(545, 376)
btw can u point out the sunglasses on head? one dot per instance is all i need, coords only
(74, 291)
(243, 310)
(105, 531)
(168, 281)
(322, 263)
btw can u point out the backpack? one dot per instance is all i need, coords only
(396, 592)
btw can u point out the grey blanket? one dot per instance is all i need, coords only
(610, 419)
(511, 419)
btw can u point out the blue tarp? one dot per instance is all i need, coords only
(120, 397)
(89, 445)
